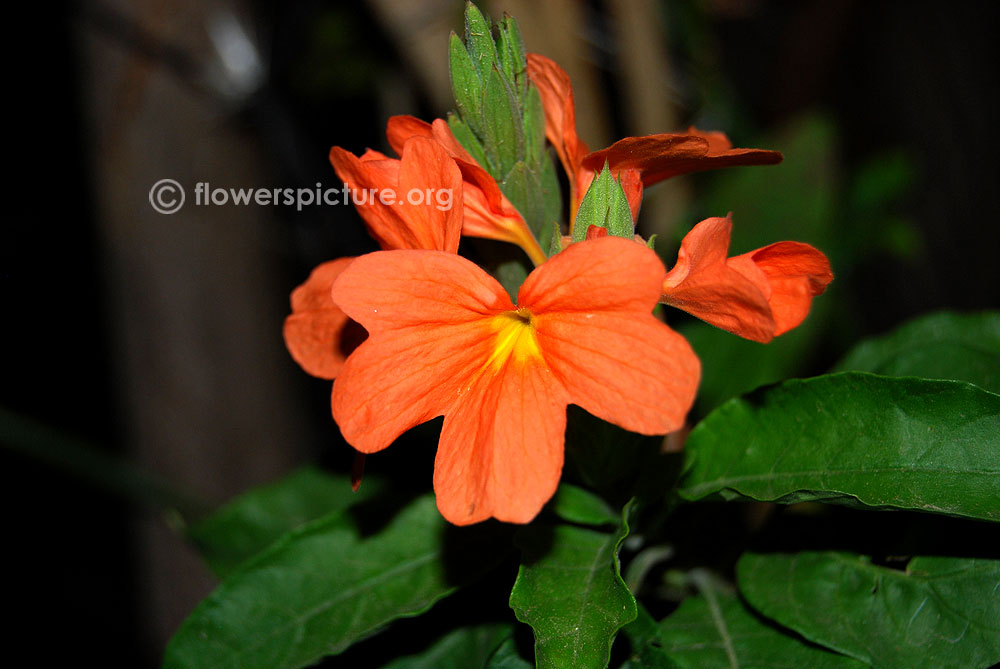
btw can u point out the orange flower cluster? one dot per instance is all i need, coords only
(445, 339)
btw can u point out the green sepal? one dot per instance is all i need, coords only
(534, 128)
(554, 241)
(510, 49)
(479, 41)
(551, 192)
(466, 84)
(651, 242)
(467, 138)
(524, 191)
(504, 136)
(605, 206)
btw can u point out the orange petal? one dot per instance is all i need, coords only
(593, 303)
(501, 449)
(662, 156)
(427, 169)
(426, 313)
(314, 331)
(556, 93)
(795, 273)
(399, 221)
(401, 128)
(705, 285)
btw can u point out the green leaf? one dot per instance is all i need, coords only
(460, 649)
(479, 41)
(605, 206)
(715, 629)
(583, 507)
(944, 345)
(857, 439)
(504, 134)
(466, 84)
(940, 612)
(323, 587)
(569, 589)
(251, 522)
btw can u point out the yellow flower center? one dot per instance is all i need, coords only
(515, 338)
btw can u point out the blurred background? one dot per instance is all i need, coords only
(144, 367)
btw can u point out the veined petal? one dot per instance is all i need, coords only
(390, 290)
(501, 448)
(609, 273)
(626, 368)
(795, 273)
(428, 317)
(593, 305)
(315, 330)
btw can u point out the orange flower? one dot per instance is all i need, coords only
(757, 295)
(445, 339)
(638, 161)
(488, 212)
(317, 333)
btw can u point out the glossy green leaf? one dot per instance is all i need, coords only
(460, 649)
(604, 206)
(251, 522)
(857, 439)
(940, 612)
(944, 345)
(502, 124)
(715, 629)
(466, 85)
(323, 587)
(583, 507)
(569, 589)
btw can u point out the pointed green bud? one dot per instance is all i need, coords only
(605, 206)
(551, 190)
(463, 133)
(465, 83)
(479, 41)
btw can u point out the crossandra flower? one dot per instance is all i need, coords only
(445, 339)
(638, 162)
(757, 295)
(317, 333)
(487, 211)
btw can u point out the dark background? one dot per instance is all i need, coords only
(90, 563)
